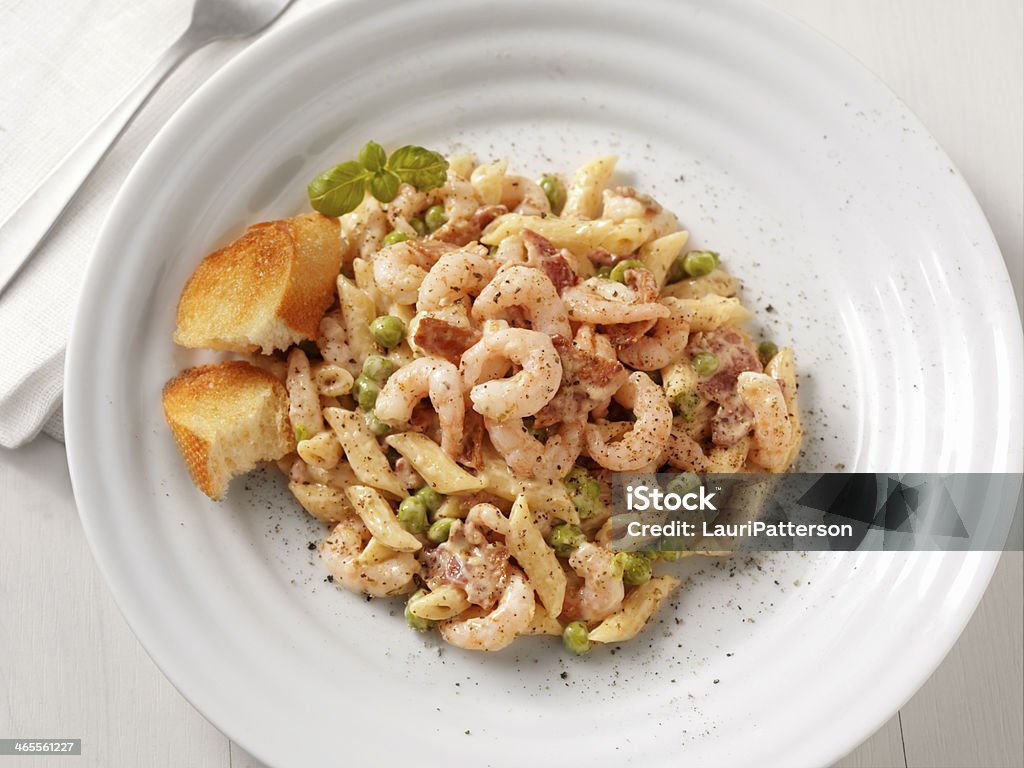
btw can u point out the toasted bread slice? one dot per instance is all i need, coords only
(267, 290)
(225, 419)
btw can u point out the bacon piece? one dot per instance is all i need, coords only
(602, 257)
(588, 381)
(464, 231)
(472, 453)
(733, 420)
(481, 571)
(642, 281)
(440, 338)
(542, 254)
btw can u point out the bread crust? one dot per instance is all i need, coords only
(200, 395)
(266, 290)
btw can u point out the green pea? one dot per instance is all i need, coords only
(387, 330)
(393, 237)
(418, 225)
(492, 251)
(365, 391)
(431, 499)
(676, 271)
(420, 625)
(635, 568)
(377, 368)
(412, 513)
(575, 638)
(618, 273)
(686, 404)
(301, 433)
(700, 263)
(683, 484)
(705, 363)
(554, 190)
(440, 530)
(435, 218)
(766, 350)
(585, 492)
(605, 272)
(375, 425)
(564, 539)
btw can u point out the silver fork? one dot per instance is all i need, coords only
(27, 227)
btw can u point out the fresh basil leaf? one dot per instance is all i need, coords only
(338, 190)
(384, 185)
(420, 167)
(372, 156)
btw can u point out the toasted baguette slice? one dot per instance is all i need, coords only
(267, 290)
(225, 419)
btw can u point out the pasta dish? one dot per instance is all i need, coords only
(449, 361)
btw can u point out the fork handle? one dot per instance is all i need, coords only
(26, 228)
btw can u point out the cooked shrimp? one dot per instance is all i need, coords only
(303, 396)
(685, 453)
(607, 302)
(773, 432)
(484, 515)
(602, 591)
(423, 377)
(500, 627)
(621, 203)
(525, 392)
(522, 195)
(665, 343)
(341, 550)
(529, 457)
(460, 203)
(363, 230)
(454, 278)
(399, 269)
(409, 202)
(511, 250)
(649, 435)
(531, 291)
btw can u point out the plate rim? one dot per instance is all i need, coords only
(76, 407)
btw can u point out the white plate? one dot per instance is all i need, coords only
(823, 193)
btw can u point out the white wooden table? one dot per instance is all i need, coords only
(69, 665)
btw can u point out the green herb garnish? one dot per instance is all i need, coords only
(340, 189)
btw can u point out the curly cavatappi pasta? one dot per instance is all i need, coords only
(498, 347)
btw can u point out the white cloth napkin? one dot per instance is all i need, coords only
(62, 67)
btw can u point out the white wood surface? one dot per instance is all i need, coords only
(69, 664)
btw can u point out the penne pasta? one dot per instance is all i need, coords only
(553, 498)
(638, 607)
(444, 602)
(543, 623)
(578, 236)
(364, 455)
(660, 254)
(462, 164)
(711, 312)
(357, 311)
(380, 519)
(526, 544)
(583, 197)
(322, 450)
(435, 466)
(488, 180)
(324, 502)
